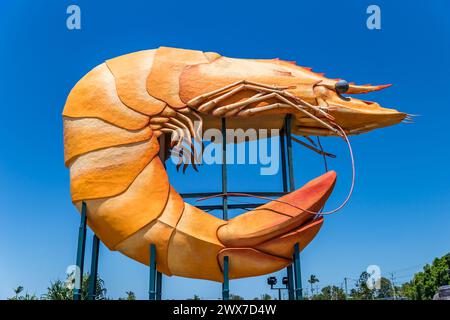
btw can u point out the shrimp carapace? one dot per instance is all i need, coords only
(113, 119)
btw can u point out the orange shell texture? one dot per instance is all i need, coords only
(112, 153)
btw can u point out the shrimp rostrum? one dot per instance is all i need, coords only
(114, 118)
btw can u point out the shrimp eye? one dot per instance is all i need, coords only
(341, 86)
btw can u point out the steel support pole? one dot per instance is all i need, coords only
(94, 269)
(162, 155)
(298, 273)
(158, 285)
(297, 269)
(152, 267)
(289, 152)
(283, 160)
(226, 279)
(224, 169)
(291, 293)
(80, 254)
(283, 137)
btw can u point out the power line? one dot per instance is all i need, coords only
(410, 275)
(409, 268)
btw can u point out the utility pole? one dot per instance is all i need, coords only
(345, 284)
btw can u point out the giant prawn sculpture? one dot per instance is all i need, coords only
(115, 114)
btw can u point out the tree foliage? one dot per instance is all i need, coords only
(63, 290)
(330, 293)
(58, 290)
(18, 295)
(312, 280)
(130, 296)
(363, 292)
(425, 284)
(264, 296)
(235, 297)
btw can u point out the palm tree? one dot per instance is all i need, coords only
(18, 290)
(312, 280)
(19, 296)
(130, 296)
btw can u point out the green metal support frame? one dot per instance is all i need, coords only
(294, 278)
(80, 254)
(158, 285)
(92, 294)
(297, 273)
(155, 281)
(296, 261)
(283, 137)
(162, 154)
(226, 278)
(152, 268)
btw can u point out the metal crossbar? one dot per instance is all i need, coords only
(155, 280)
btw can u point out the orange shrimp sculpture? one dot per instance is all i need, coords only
(115, 114)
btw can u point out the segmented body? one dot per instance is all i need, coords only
(112, 120)
(111, 148)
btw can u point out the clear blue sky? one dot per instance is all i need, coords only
(399, 215)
